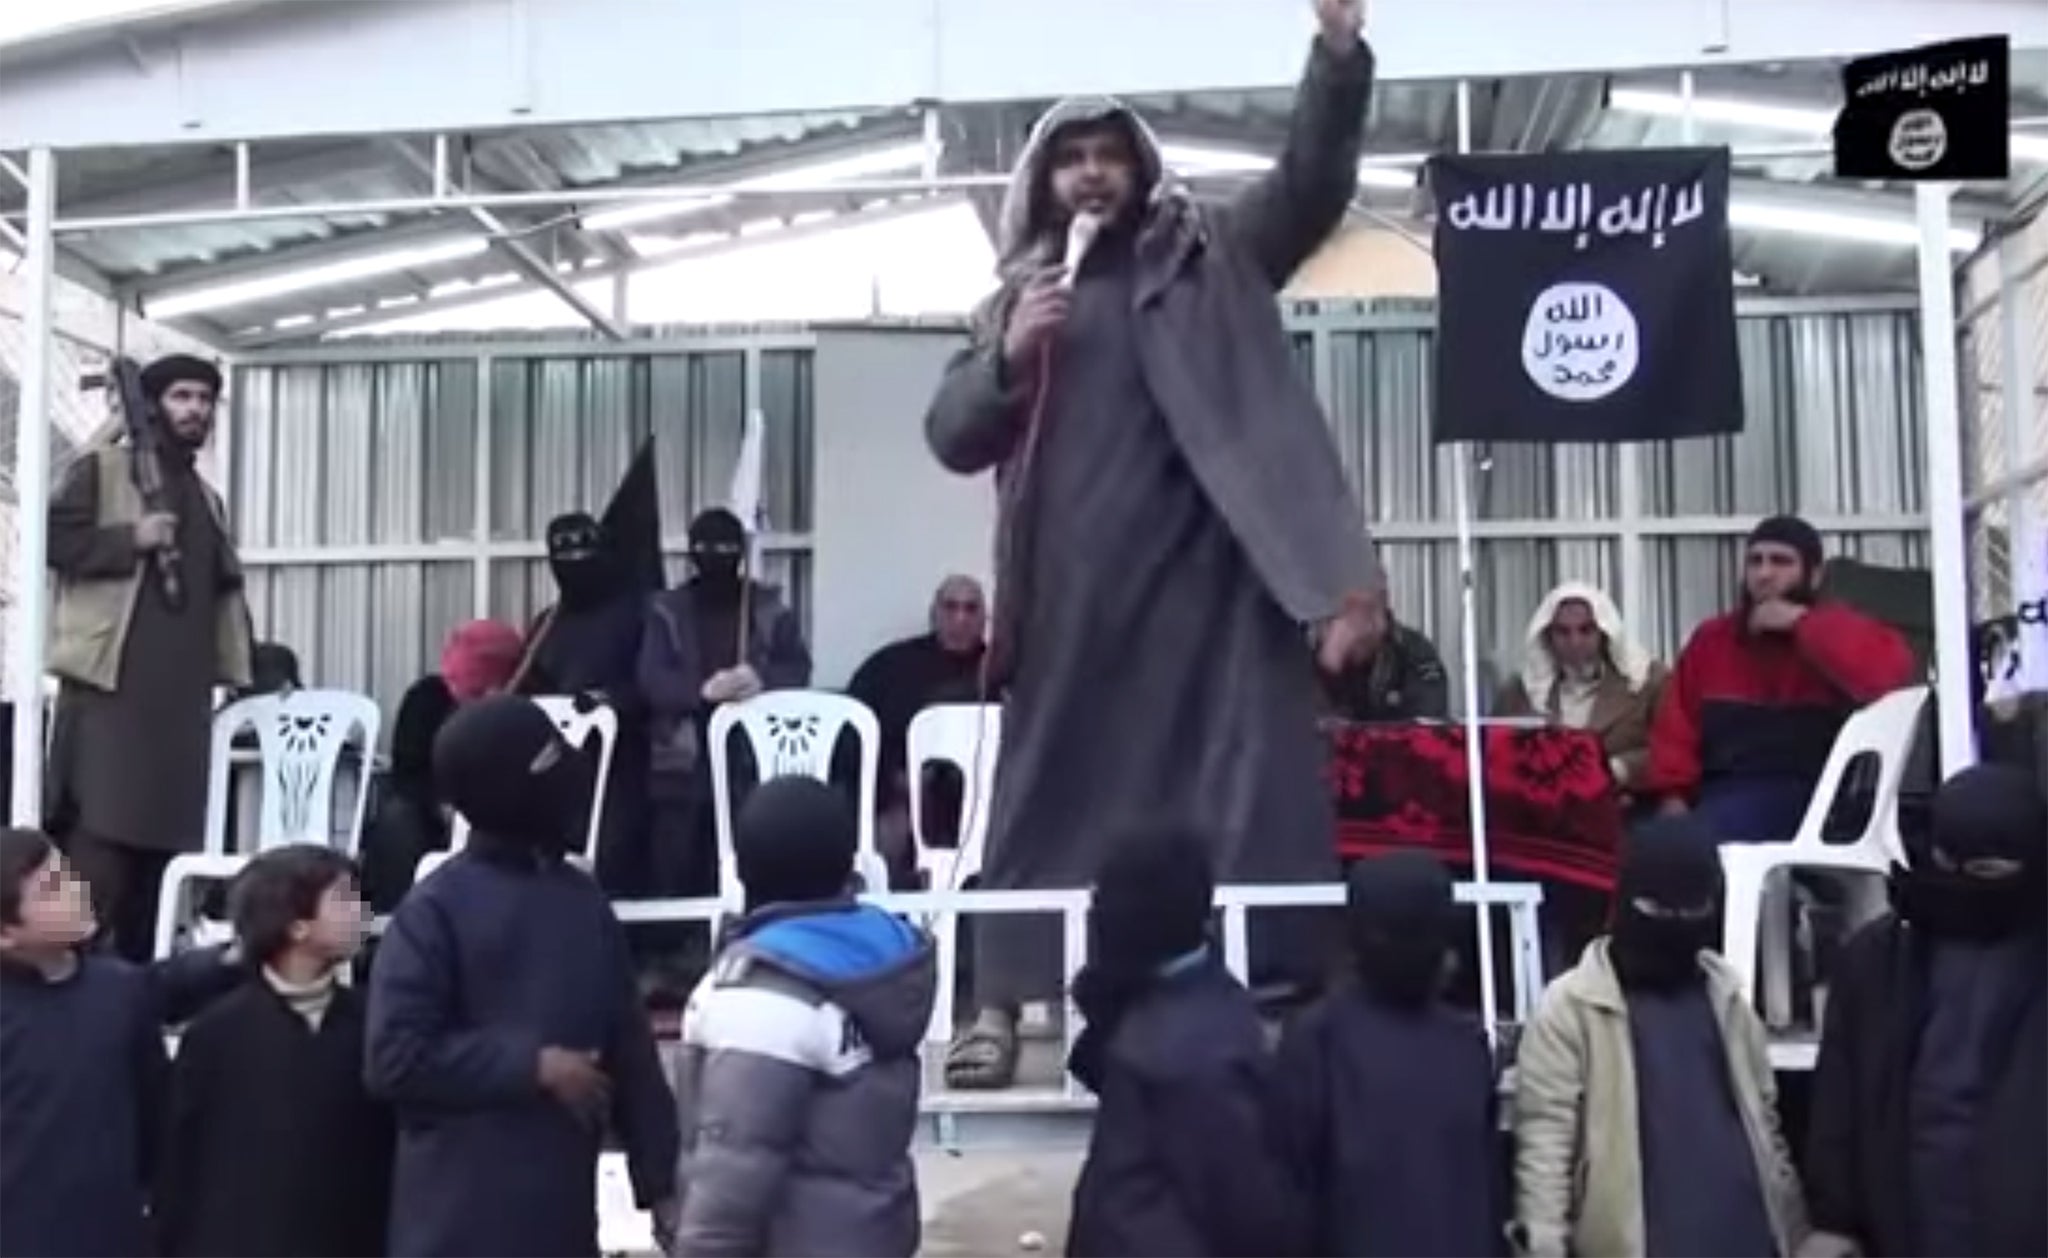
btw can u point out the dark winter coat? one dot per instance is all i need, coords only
(485, 964)
(1184, 1159)
(273, 1147)
(799, 1086)
(1390, 1120)
(1858, 1143)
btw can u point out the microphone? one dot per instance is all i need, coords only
(1081, 233)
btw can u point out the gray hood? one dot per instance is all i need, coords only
(1025, 236)
(873, 964)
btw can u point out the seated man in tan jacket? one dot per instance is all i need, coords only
(1645, 1112)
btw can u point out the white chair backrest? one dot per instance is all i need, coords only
(1885, 729)
(792, 734)
(578, 727)
(300, 737)
(969, 737)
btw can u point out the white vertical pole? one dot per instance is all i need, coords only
(1468, 594)
(1948, 555)
(32, 492)
(480, 520)
(2018, 385)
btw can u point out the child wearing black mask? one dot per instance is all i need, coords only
(1183, 1158)
(1930, 1115)
(1387, 1103)
(505, 1027)
(1645, 1109)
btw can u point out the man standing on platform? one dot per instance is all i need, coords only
(1174, 519)
(138, 661)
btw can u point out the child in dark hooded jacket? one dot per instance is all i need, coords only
(1387, 1102)
(800, 1076)
(505, 1027)
(1183, 1158)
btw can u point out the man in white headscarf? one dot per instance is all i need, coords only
(1583, 671)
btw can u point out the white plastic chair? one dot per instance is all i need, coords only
(792, 734)
(300, 737)
(578, 728)
(967, 736)
(174, 899)
(1759, 914)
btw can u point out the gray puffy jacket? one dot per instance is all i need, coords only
(799, 1086)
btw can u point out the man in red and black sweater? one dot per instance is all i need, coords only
(1758, 695)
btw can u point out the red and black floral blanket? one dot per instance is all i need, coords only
(1551, 807)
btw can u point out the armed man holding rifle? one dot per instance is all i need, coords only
(148, 616)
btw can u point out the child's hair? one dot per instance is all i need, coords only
(22, 853)
(279, 889)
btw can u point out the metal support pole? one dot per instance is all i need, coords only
(32, 491)
(2018, 386)
(480, 525)
(1948, 548)
(1475, 733)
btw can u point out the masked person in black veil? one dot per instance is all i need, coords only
(1183, 1158)
(588, 645)
(1645, 1108)
(695, 655)
(1930, 1108)
(505, 1028)
(1386, 1095)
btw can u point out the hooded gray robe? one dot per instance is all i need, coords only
(1179, 518)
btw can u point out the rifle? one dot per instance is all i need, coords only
(122, 381)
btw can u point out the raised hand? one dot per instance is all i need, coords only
(1342, 23)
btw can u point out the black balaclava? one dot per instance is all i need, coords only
(1790, 530)
(501, 763)
(1667, 901)
(794, 841)
(581, 560)
(1401, 919)
(1982, 871)
(1151, 906)
(718, 551)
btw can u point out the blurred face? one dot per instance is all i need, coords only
(335, 930)
(1772, 570)
(1574, 636)
(959, 616)
(56, 912)
(1093, 171)
(187, 409)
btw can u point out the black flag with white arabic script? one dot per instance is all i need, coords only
(1942, 112)
(1585, 297)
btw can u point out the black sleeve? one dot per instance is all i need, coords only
(1224, 1162)
(643, 1108)
(1834, 1126)
(789, 658)
(182, 985)
(151, 1069)
(181, 1148)
(1301, 1107)
(1426, 689)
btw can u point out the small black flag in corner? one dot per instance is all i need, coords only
(1939, 113)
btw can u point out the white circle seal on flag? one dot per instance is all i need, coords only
(1919, 139)
(1580, 343)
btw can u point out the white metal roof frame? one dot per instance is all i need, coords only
(458, 65)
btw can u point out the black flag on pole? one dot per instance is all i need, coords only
(1939, 113)
(632, 522)
(1585, 297)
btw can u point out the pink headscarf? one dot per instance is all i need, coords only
(480, 657)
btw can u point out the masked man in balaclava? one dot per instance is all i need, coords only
(1173, 524)
(137, 663)
(1929, 1132)
(504, 1025)
(1753, 705)
(1645, 1108)
(1183, 1157)
(587, 644)
(720, 637)
(1387, 1101)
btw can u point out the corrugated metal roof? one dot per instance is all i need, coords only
(1532, 114)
